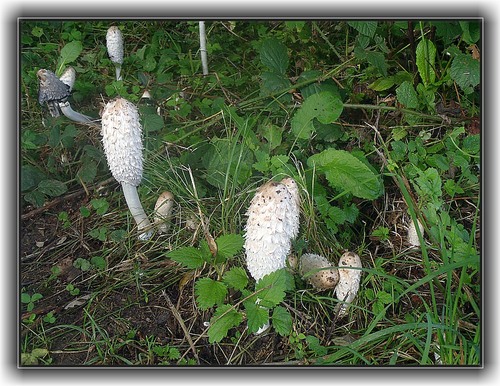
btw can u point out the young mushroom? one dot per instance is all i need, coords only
(350, 277)
(114, 45)
(122, 141)
(273, 221)
(413, 239)
(53, 92)
(318, 271)
(163, 211)
(68, 77)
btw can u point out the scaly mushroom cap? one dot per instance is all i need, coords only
(413, 239)
(348, 285)
(322, 279)
(163, 211)
(51, 90)
(273, 221)
(114, 44)
(122, 140)
(68, 77)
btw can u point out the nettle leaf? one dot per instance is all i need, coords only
(407, 95)
(189, 257)
(236, 278)
(152, 123)
(471, 144)
(347, 173)
(229, 245)
(377, 60)
(52, 188)
(465, 70)
(257, 315)
(426, 58)
(209, 292)
(225, 318)
(324, 106)
(428, 187)
(272, 82)
(87, 171)
(282, 321)
(273, 55)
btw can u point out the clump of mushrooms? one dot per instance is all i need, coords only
(163, 211)
(54, 93)
(318, 271)
(273, 222)
(122, 141)
(114, 45)
(345, 280)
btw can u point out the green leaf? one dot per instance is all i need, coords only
(257, 315)
(407, 95)
(428, 187)
(236, 278)
(69, 53)
(366, 28)
(35, 198)
(87, 171)
(101, 205)
(272, 134)
(25, 298)
(272, 83)
(229, 245)
(471, 144)
(52, 188)
(271, 288)
(99, 262)
(30, 177)
(282, 321)
(225, 318)
(377, 60)
(425, 58)
(465, 70)
(314, 344)
(323, 106)
(471, 31)
(347, 173)
(82, 264)
(209, 292)
(273, 55)
(189, 257)
(152, 123)
(384, 297)
(37, 32)
(382, 84)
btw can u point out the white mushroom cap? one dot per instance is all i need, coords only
(114, 44)
(273, 221)
(68, 77)
(163, 211)
(349, 281)
(122, 140)
(318, 271)
(413, 239)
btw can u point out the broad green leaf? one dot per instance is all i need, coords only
(323, 106)
(229, 245)
(189, 257)
(273, 55)
(426, 58)
(465, 70)
(272, 134)
(87, 171)
(271, 288)
(99, 262)
(382, 84)
(236, 278)
(25, 298)
(224, 319)
(101, 205)
(315, 345)
(471, 144)
(272, 83)
(52, 188)
(209, 292)
(257, 315)
(30, 177)
(367, 28)
(37, 32)
(68, 54)
(377, 60)
(471, 31)
(347, 173)
(35, 198)
(407, 95)
(428, 187)
(152, 123)
(282, 321)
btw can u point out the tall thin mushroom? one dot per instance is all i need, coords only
(122, 141)
(54, 93)
(114, 45)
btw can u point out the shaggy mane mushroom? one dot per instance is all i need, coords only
(114, 45)
(122, 141)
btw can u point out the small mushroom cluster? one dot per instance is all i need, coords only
(273, 222)
(121, 132)
(345, 279)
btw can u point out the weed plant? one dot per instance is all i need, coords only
(377, 121)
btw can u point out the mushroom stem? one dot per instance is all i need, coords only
(118, 69)
(74, 115)
(135, 207)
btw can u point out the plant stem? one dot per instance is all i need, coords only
(203, 48)
(135, 207)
